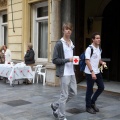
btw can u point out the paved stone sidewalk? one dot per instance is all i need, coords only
(32, 102)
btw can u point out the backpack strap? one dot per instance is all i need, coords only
(91, 50)
(100, 49)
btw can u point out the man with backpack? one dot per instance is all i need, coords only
(93, 74)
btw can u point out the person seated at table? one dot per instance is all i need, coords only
(2, 57)
(29, 57)
(7, 54)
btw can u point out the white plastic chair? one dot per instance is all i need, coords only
(42, 72)
(35, 73)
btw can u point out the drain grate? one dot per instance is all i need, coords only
(75, 111)
(17, 103)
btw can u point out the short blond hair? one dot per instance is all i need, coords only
(30, 45)
(67, 25)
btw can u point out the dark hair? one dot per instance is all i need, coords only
(67, 25)
(94, 34)
(5, 46)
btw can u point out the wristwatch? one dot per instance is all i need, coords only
(91, 71)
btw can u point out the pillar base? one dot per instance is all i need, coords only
(51, 78)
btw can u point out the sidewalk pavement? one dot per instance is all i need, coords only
(32, 102)
(110, 86)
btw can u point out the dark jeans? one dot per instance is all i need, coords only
(90, 97)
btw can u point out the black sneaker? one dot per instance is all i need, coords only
(90, 110)
(53, 107)
(55, 114)
(95, 108)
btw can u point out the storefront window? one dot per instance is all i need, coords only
(41, 31)
(3, 28)
(42, 11)
(4, 17)
(5, 35)
(42, 39)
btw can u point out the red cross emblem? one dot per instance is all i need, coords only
(75, 60)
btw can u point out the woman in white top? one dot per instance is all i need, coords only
(7, 54)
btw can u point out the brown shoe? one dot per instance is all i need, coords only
(29, 82)
(90, 110)
(95, 108)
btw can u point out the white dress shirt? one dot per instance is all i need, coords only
(94, 59)
(7, 56)
(68, 52)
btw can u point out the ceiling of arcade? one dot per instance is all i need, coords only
(101, 7)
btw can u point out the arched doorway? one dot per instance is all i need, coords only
(110, 38)
(79, 34)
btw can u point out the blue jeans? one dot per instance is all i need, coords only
(90, 97)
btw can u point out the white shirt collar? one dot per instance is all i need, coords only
(72, 46)
(94, 46)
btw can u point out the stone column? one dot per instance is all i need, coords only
(66, 10)
(68, 14)
(54, 35)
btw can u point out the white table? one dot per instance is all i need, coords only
(15, 72)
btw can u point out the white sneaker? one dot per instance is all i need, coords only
(65, 119)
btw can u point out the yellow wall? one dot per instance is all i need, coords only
(15, 38)
(18, 40)
(33, 1)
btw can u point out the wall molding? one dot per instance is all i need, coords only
(3, 3)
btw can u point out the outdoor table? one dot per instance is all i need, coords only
(15, 72)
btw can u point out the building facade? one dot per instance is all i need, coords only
(40, 21)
